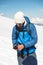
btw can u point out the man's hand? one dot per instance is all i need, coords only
(20, 47)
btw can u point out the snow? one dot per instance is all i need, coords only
(8, 56)
(39, 46)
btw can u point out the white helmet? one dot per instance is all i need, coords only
(19, 17)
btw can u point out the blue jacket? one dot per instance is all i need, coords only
(31, 38)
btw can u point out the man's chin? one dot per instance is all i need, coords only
(20, 28)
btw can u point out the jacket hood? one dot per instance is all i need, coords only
(27, 19)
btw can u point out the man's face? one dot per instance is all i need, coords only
(20, 25)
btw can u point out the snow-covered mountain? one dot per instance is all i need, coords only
(8, 56)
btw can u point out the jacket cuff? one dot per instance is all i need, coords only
(24, 45)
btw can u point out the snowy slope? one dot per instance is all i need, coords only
(39, 45)
(8, 56)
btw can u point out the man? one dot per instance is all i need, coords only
(24, 38)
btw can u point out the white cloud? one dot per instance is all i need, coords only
(1, 14)
(41, 10)
(37, 20)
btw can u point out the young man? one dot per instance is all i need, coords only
(24, 38)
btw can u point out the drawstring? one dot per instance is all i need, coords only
(23, 34)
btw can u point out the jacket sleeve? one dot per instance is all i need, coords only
(33, 35)
(14, 35)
